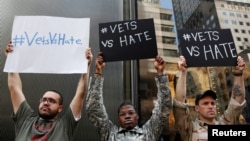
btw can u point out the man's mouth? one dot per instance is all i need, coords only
(45, 109)
(211, 112)
(128, 121)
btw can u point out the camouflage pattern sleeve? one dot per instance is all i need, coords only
(96, 111)
(161, 111)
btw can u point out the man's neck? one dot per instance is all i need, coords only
(208, 121)
(47, 119)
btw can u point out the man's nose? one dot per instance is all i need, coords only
(127, 116)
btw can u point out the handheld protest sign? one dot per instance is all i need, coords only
(45, 44)
(208, 47)
(128, 40)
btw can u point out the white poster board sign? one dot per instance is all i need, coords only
(44, 44)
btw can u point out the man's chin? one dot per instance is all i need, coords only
(211, 116)
(46, 116)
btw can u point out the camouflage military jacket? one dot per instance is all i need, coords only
(150, 131)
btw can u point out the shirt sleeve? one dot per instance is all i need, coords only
(162, 108)
(69, 120)
(23, 113)
(183, 119)
(96, 111)
(233, 112)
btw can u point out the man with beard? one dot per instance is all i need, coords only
(46, 126)
(127, 115)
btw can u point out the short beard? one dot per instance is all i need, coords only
(47, 117)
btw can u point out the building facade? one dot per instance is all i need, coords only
(166, 46)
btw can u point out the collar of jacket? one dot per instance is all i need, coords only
(136, 129)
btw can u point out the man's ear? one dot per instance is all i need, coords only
(196, 108)
(60, 109)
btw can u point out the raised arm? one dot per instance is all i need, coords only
(95, 107)
(182, 115)
(77, 102)
(237, 101)
(181, 83)
(238, 90)
(163, 105)
(14, 84)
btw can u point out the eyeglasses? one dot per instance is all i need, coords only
(48, 100)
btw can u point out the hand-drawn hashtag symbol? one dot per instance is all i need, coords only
(186, 37)
(18, 40)
(104, 30)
